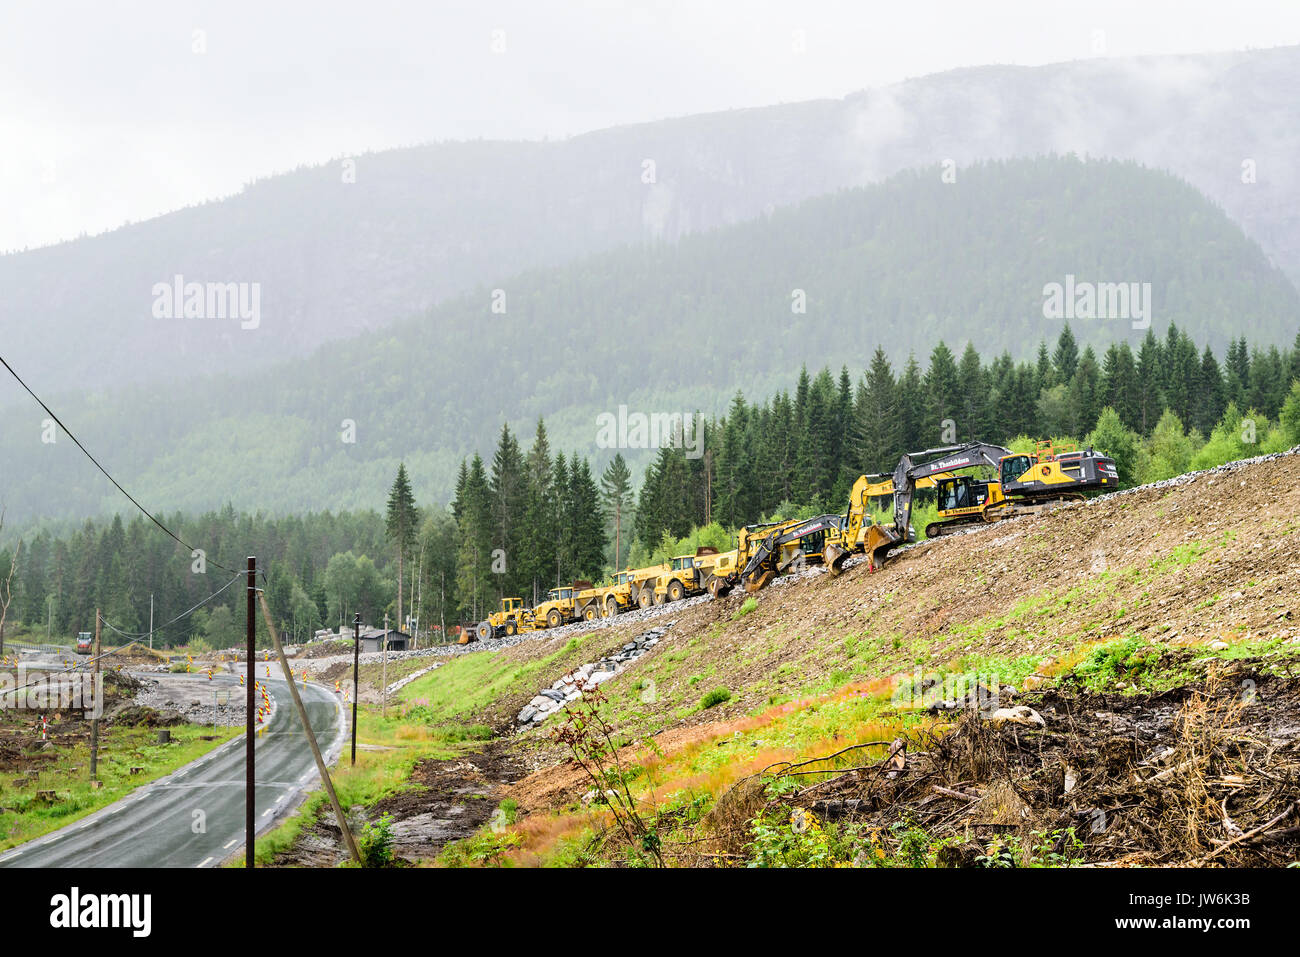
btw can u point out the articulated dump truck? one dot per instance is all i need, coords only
(1021, 483)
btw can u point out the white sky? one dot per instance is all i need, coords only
(108, 115)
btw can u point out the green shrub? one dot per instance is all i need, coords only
(715, 697)
(746, 608)
(376, 843)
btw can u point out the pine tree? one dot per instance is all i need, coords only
(876, 427)
(1150, 372)
(540, 531)
(973, 422)
(942, 394)
(509, 488)
(402, 522)
(912, 409)
(562, 521)
(473, 554)
(1065, 360)
(1211, 394)
(1119, 385)
(616, 496)
(588, 521)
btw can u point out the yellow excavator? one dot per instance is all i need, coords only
(1025, 482)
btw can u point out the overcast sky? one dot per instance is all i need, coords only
(117, 112)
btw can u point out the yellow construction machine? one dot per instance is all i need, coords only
(1026, 482)
(512, 619)
(560, 607)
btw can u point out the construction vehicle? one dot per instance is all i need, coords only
(641, 584)
(1026, 482)
(560, 606)
(789, 545)
(687, 575)
(603, 601)
(84, 642)
(512, 619)
(776, 546)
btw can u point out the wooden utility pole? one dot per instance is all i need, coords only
(98, 706)
(250, 716)
(311, 735)
(384, 670)
(356, 687)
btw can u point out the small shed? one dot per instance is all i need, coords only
(373, 640)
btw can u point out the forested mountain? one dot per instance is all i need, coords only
(339, 249)
(524, 521)
(671, 328)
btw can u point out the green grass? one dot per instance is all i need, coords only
(120, 749)
(467, 685)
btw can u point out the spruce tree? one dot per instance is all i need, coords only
(401, 523)
(616, 497)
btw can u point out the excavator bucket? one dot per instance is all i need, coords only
(759, 580)
(880, 541)
(835, 557)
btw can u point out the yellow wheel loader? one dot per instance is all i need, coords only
(512, 619)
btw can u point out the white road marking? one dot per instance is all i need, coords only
(204, 862)
(229, 844)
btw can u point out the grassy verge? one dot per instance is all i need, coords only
(388, 748)
(24, 816)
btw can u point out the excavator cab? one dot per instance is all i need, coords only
(1014, 466)
(962, 492)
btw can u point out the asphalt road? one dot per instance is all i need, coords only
(194, 817)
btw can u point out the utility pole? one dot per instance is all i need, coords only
(250, 715)
(151, 621)
(356, 665)
(384, 671)
(49, 623)
(94, 721)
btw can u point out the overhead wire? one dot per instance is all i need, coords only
(118, 485)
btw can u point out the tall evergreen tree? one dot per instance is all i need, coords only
(1065, 359)
(616, 496)
(401, 523)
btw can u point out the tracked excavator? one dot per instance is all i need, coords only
(1025, 483)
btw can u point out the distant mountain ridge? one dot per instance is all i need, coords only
(421, 225)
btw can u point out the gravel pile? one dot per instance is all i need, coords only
(193, 704)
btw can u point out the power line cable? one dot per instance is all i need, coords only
(144, 511)
(188, 611)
